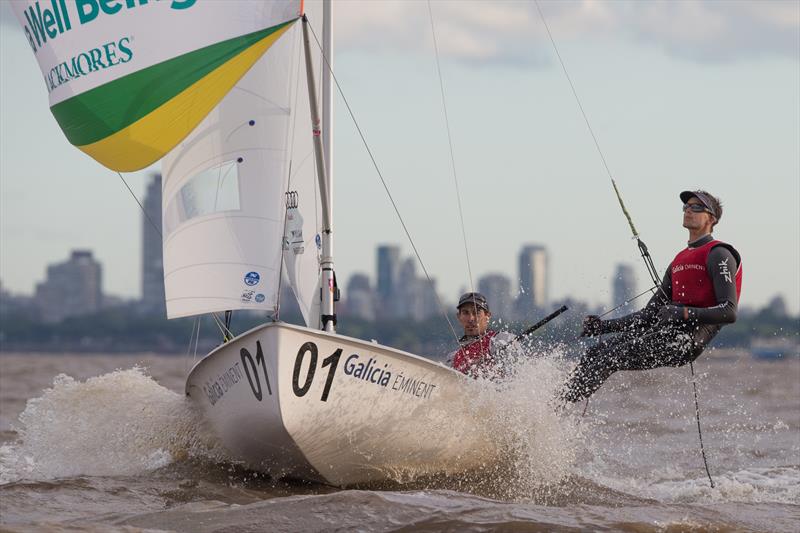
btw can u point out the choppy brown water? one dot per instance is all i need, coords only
(114, 447)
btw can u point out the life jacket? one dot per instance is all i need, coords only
(691, 283)
(476, 356)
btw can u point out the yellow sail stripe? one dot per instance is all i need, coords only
(150, 138)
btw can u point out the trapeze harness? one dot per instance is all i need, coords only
(641, 344)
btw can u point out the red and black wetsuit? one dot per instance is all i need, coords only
(706, 279)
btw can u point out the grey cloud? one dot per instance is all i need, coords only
(511, 32)
(714, 31)
(506, 32)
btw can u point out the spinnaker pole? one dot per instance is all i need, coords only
(328, 283)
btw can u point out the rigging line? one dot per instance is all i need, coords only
(144, 212)
(642, 247)
(699, 431)
(191, 341)
(197, 338)
(226, 333)
(155, 227)
(452, 154)
(586, 119)
(626, 302)
(216, 321)
(222, 328)
(651, 269)
(385, 187)
(228, 322)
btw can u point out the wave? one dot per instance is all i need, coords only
(117, 424)
(124, 423)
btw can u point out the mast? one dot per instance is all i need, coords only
(328, 284)
(327, 104)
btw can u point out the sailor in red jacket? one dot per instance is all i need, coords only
(480, 346)
(698, 295)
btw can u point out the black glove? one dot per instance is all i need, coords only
(592, 325)
(670, 315)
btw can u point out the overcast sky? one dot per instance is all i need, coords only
(681, 95)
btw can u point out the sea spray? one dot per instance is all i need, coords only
(541, 440)
(120, 423)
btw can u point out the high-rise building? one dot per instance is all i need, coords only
(415, 297)
(152, 251)
(388, 269)
(623, 287)
(533, 279)
(777, 306)
(358, 282)
(17, 305)
(407, 294)
(428, 304)
(360, 300)
(72, 288)
(497, 289)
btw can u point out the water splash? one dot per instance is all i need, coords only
(541, 440)
(120, 423)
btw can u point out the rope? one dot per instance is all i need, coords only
(150, 220)
(452, 155)
(385, 186)
(699, 431)
(648, 260)
(580, 106)
(228, 320)
(191, 340)
(626, 302)
(155, 227)
(197, 338)
(226, 333)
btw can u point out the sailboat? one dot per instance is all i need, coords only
(218, 91)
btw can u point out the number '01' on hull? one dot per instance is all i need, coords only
(300, 403)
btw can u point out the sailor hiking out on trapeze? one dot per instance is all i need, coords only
(697, 297)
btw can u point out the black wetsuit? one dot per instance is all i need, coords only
(645, 341)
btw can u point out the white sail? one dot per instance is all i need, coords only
(224, 192)
(302, 239)
(303, 222)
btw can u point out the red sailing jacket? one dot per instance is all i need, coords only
(691, 284)
(475, 356)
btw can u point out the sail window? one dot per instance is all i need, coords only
(213, 190)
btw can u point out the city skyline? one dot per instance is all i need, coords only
(715, 110)
(78, 281)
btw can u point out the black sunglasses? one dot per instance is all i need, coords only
(697, 208)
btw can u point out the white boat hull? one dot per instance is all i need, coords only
(301, 403)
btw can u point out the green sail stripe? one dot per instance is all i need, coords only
(105, 110)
